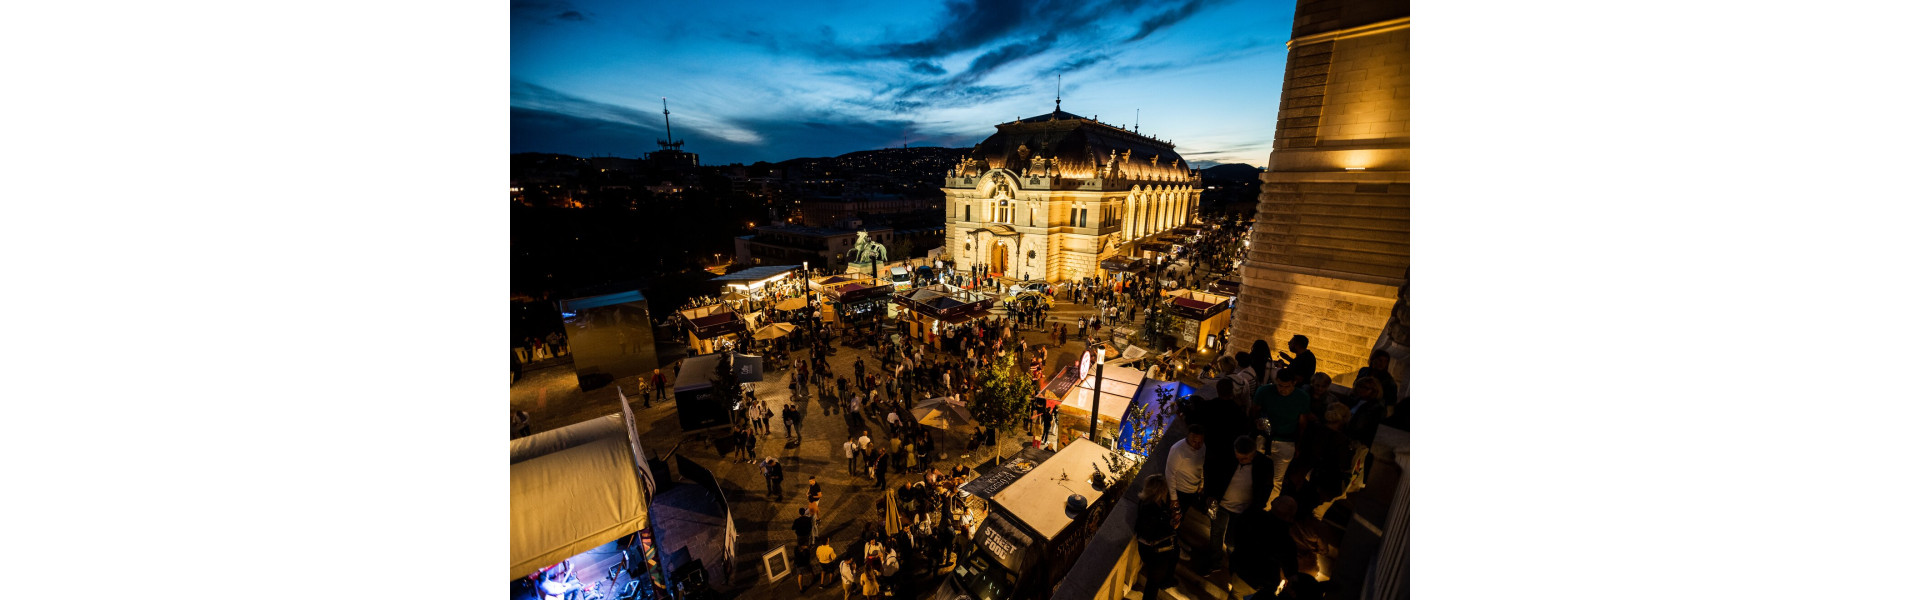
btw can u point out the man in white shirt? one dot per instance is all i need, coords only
(853, 456)
(1186, 463)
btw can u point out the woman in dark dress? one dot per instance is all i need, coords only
(1153, 528)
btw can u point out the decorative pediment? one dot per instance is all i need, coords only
(997, 229)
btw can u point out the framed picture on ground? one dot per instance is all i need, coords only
(775, 561)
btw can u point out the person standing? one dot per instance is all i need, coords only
(803, 529)
(1247, 486)
(786, 419)
(813, 495)
(1377, 365)
(1154, 527)
(823, 554)
(773, 472)
(1302, 365)
(852, 448)
(1186, 464)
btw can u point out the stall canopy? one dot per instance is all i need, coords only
(1121, 264)
(573, 489)
(756, 276)
(1040, 500)
(1197, 305)
(943, 413)
(824, 282)
(708, 322)
(697, 372)
(945, 302)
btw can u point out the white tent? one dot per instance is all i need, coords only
(574, 488)
(1115, 392)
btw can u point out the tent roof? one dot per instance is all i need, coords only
(1118, 389)
(756, 273)
(573, 489)
(580, 304)
(696, 373)
(1039, 498)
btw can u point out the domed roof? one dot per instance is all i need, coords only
(1068, 145)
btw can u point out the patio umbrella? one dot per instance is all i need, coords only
(791, 304)
(942, 413)
(773, 331)
(733, 296)
(893, 512)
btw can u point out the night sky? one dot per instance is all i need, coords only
(752, 81)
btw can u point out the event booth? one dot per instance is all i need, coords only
(1199, 315)
(579, 521)
(1121, 390)
(700, 406)
(1043, 508)
(610, 336)
(751, 281)
(712, 328)
(929, 310)
(857, 299)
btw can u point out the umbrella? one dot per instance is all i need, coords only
(791, 304)
(943, 413)
(733, 296)
(893, 512)
(773, 331)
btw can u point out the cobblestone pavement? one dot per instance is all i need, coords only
(553, 399)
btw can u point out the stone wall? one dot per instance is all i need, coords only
(1341, 319)
(1329, 255)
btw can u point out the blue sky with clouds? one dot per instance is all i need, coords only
(750, 81)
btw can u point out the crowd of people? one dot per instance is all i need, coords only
(1268, 452)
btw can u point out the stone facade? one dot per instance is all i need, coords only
(1051, 196)
(1329, 256)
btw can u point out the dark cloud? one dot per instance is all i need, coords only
(965, 25)
(1082, 61)
(545, 120)
(545, 11)
(538, 97)
(927, 68)
(1162, 20)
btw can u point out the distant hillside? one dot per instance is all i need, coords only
(1230, 172)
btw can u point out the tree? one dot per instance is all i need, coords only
(1006, 392)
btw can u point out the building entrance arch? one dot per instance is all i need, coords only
(998, 265)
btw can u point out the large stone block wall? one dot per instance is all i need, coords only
(1329, 255)
(1341, 319)
(1353, 223)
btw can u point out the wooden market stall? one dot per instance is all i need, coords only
(712, 328)
(1201, 315)
(929, 310)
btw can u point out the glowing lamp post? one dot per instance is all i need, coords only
(1099, 373)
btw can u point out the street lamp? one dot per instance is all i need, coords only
(1099, 373)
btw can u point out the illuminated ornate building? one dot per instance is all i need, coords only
(1049, 197)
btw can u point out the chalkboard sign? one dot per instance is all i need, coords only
(998, 477)
(1003, 541)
